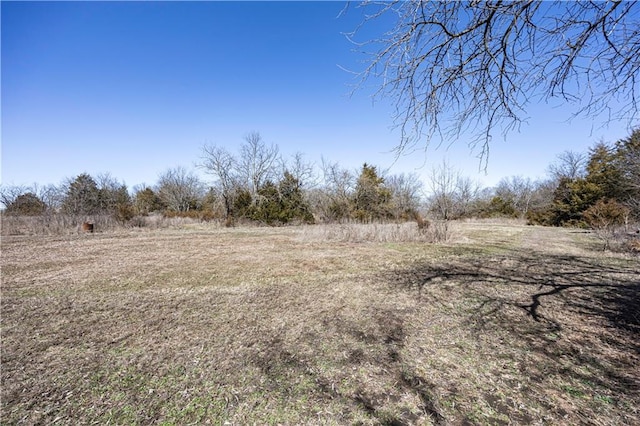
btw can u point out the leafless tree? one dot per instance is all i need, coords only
(180, 189)
(332, 200)
(9, 193)
(257, 161)
(406, 192)
(223, 167)
(543, 194)
(111, 192)
(301, 170)
(569, 165)
(453, 66)
(443, 181)
(51, 195)
(337, 180)
(517, 191)
(465, 194)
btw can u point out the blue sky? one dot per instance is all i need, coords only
(136, 88)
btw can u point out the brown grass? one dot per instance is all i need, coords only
(438, 231)
(61, 224)
(504, 324)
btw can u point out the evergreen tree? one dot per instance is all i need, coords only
(294, 206)
(609, 175)
(371, 199)
(267, 208)
(603, 171)
(628, 163)
(28, 204)
(111, 199)
(280, 204)
(82, 196)
(572, 198)
(147, 201)
(242, 204)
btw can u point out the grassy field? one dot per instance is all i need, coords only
(503, 324)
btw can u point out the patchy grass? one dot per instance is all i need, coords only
(502, 324)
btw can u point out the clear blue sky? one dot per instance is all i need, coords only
(136, 88)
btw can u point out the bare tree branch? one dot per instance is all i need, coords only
(452, 67)
(180, 189)
(257, 161)
(569, 165)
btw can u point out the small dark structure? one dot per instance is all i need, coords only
(87, 227)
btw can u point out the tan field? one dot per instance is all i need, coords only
(502, 324)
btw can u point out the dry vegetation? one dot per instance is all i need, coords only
(61, 224)
(504, 324)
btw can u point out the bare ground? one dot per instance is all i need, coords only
(506, 324)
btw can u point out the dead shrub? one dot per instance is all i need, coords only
(201, 215)
(55, 224)
(606, 218)
(138, 221)
(632, 245)
(124, 213)
(378, 232)
(423, 224)
(439, 232)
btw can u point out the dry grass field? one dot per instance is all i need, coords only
(503, 324)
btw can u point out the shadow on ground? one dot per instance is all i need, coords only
(576, 320)
(527, 338)
(540, 284)
(515, 338)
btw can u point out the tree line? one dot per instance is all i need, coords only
(258, 184)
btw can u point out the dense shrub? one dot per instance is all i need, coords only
(26, 204)
(124, 213)
(544, 217)
(501, 207)
(273, 204)
(147, 201)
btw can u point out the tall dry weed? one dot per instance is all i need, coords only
(378, 232)
(60, 224)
